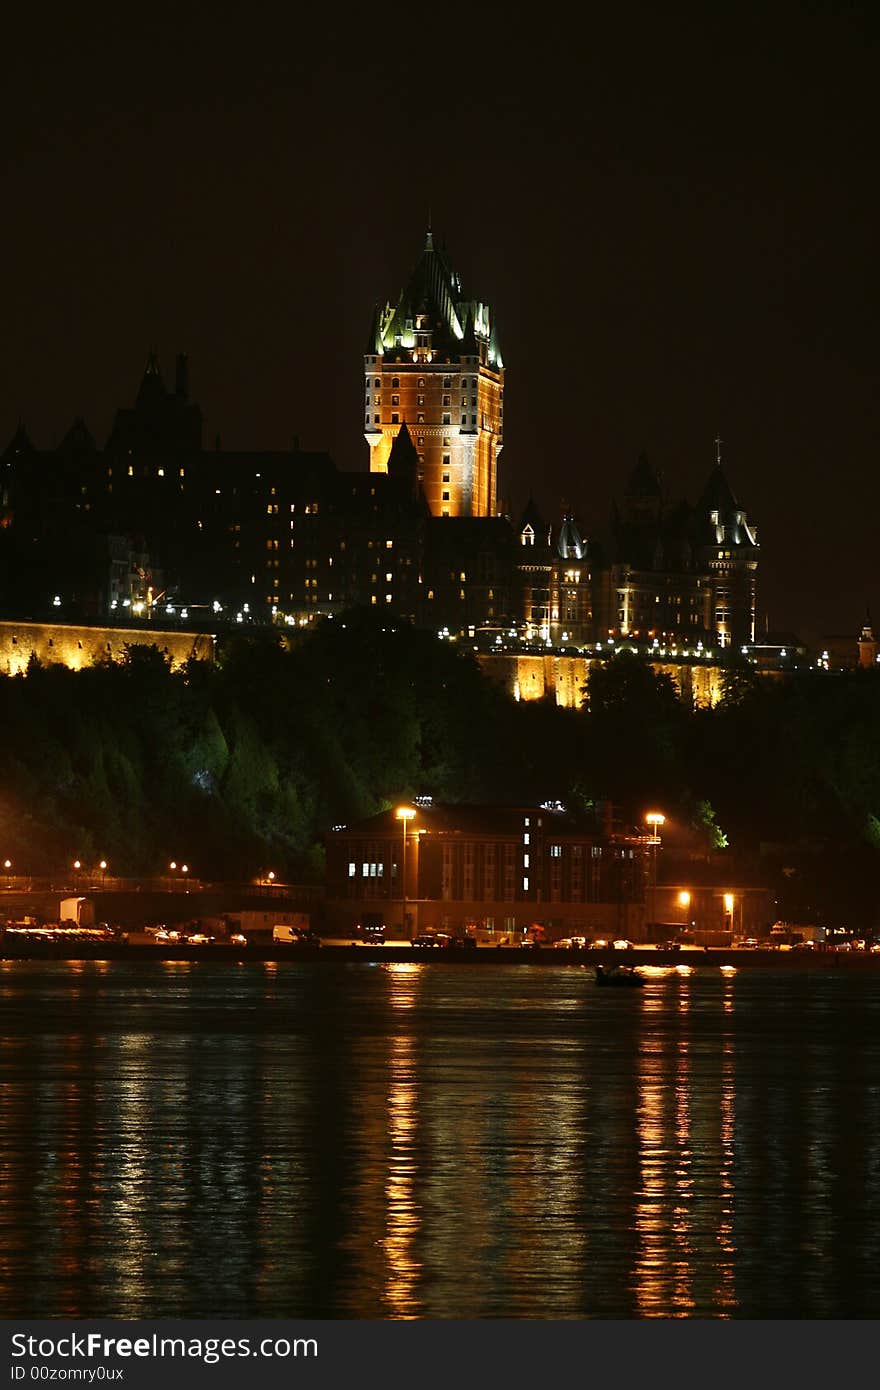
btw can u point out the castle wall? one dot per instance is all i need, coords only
(76, 647)
(564, 678)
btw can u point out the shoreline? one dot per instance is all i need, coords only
(714, 958)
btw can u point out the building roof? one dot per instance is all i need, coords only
(569, 543)
(501, 820)
(719, 517)
(434, 291)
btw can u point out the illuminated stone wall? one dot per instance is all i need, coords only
(76, 647)
(534, 677)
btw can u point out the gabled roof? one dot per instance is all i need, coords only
(20, 443)
(79, 439)
(532, 517)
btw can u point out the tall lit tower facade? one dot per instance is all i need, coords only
(433, 362)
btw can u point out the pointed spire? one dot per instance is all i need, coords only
(429, 235)
(469, 339)
(20, 443)
(374, 339)
(403, 461)
(718, 442)
(152, 383)
(570, 545)
(181, 377)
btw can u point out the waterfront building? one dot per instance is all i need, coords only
(493, 870)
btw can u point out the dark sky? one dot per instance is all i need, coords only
(673, 213)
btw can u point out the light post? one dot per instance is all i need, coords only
(7, 865)
(405, 814)
(655, 819)
(684, 902)
(103, 867)
(729, 906)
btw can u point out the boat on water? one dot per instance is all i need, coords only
(619, 976)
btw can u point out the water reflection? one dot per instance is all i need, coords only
(424, 1140)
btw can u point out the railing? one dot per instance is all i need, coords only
(82, 884)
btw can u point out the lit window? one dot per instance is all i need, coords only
(352, 869)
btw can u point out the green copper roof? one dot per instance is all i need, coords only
(433, 294)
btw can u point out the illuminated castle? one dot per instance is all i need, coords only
(433, 363)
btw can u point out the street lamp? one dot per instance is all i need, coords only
(103, 867)
(405, 814)
(655, 819)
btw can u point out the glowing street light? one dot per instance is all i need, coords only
(405, 814)
(655, 819)
(729, 905)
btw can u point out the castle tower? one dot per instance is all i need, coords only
(727, 546)
(433, 363)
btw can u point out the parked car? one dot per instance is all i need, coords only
(370, 930)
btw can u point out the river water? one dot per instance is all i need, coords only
(397, 1141)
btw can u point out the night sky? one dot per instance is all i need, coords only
(673, 214)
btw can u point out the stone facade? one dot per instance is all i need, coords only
(77, 647)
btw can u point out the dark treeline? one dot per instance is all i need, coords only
(243, 764)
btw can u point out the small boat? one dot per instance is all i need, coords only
(621, 976)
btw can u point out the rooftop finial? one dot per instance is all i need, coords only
(718, 442)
